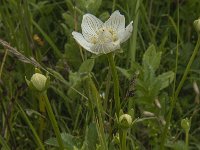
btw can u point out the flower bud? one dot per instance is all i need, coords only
(125, 121)
(116, 139)
(197, 25)
(38, 82)
(185, 124)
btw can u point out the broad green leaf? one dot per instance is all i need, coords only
(165, 79)
(86, 66)
(72, 55)
(147, 85)
(151, 57)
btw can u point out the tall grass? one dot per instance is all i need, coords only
(154, 80)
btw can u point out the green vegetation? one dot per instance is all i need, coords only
(56, 95)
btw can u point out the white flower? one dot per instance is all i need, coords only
(98, 37)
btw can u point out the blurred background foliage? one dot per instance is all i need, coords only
(42, 29)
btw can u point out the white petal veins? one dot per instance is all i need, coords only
(99, 37)
(116, 21)
(126, 33)
(80, 39)
(105, 48)
(90, 25)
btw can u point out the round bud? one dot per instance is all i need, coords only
(125, 121)
(39, 82)
(185, 124)
(197, 25)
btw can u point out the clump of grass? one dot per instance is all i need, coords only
(153, 77)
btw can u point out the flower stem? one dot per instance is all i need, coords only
(116, 82)
(174, 98)
(52, 119)
(41, 119)
(187, 139)
(124, 134)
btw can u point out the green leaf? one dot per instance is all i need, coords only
(147, 85)
(179, 145)
(67, 139)
(124, 72)
(68, 19)
(91, 138)
(86, 66)
(72, 55)
(75, 82)
(91, 6)
(165, 79)
(151, 57)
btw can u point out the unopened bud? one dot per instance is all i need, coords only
(157, 103)
(125, 121)
(185, 124)
(148, 114)
(116, 139)
(195, 87)
(197, 25)
(38, 82)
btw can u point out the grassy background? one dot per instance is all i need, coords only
(42, 30)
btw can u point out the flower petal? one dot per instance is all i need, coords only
(126, 33)
(105, 48)
(80, 40)
(90, 25)
(116, 21)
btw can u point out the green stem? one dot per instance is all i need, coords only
(116, 82)
(135, 31)
(96, 96)
(37, 139)
(187, 139)
(3, 62)
(124, 135)
(52, 119)
(188, 68)
(174, 98)
(113, 6)
(41, 119)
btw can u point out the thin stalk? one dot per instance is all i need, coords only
(76, 28)
(3, 62)
(52, 119)
(135, 31)
(187, 139)
(96, 96)
(116, 82)
(38, 141)
(108, 78)
(174, 99)
(188, 67)
(41, 119)
(113, 6)
(124, 135)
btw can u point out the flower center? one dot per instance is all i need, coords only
(105, 35)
